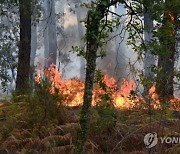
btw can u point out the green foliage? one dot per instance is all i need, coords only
(103, 118)
(43, 105)
(78, 50)
(15, 115)
(107, 96)
(99, 80)
(7, 128)
(145, 81)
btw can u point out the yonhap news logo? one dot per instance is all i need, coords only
(151, 140)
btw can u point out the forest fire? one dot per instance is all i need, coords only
(123, 97)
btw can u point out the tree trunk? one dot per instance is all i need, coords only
(80, 31)
(50, 37)
(23, 71)
(165, 74)
(45, 25)
(33, 52)
(93, 21)
(149, 59)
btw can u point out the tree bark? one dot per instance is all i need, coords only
(33, 53)
(80, 31)
(50, 34)
(149, 59)
(93, 21)
(165, 74)
(23, 71)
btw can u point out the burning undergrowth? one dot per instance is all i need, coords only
(105, 90)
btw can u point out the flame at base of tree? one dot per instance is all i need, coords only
(123, 97)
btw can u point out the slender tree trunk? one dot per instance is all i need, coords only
(80, 31)
(34, 25)
(149, 59)
(120, 48)
(165, 74)
(23, 71)
(33, 44)
(93, 21)
(45, 26)
(50, 34)
(33, 52)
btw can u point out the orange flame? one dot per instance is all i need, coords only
(73, 90)
(154, 96)
(122, 99)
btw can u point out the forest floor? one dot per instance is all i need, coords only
(112, 131)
